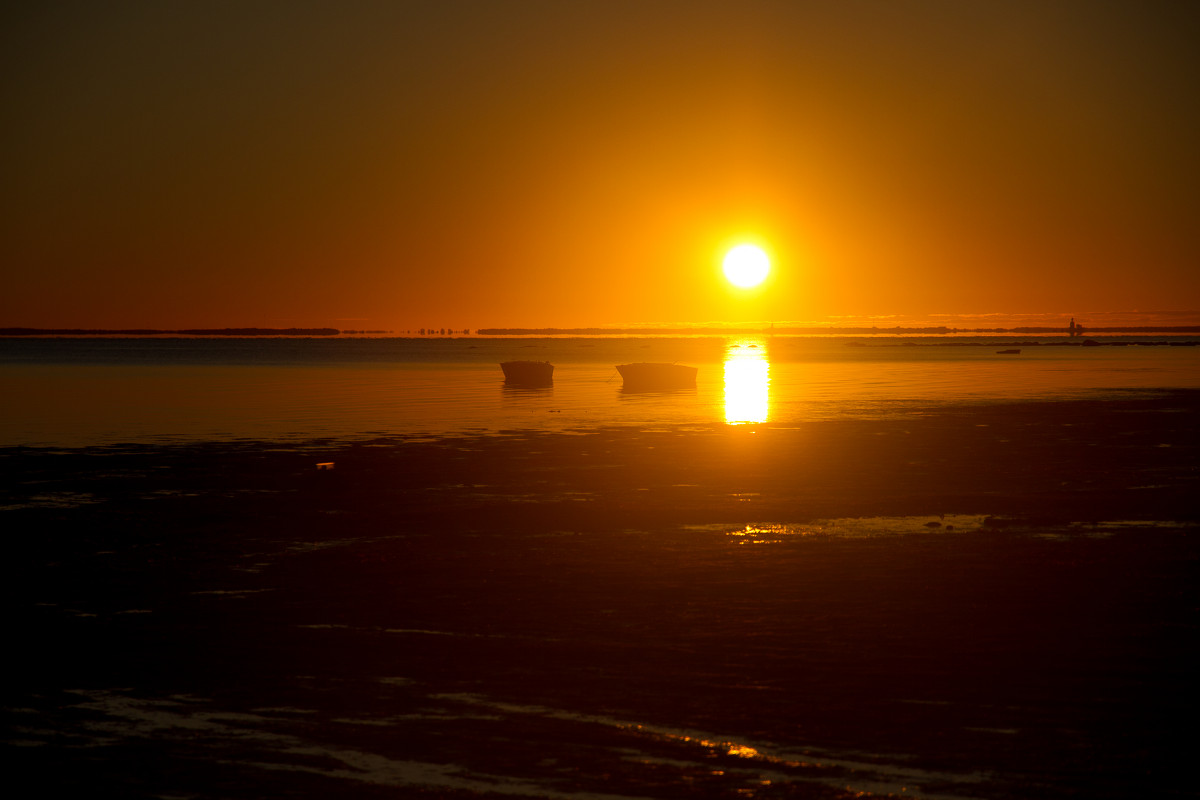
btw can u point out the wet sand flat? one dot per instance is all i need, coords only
(995, 600)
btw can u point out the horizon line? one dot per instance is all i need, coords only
(692, 329)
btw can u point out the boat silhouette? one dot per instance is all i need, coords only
(645, 376)
(528, 373)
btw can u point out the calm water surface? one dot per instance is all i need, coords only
(79, 391)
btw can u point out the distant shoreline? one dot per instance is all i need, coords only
(844, 331)
(665, 331)
(181, 332)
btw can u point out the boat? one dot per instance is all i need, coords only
(657, 377)
(528, 373)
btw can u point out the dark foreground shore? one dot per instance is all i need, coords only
(994, 601)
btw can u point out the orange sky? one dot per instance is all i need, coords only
(392, 165)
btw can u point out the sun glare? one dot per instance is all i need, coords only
(746, 266)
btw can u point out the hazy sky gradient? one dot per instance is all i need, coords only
(465, 164)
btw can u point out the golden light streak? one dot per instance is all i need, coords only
(747, 382)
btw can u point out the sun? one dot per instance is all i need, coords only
(746, 266)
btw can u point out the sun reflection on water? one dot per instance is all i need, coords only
(747, 381)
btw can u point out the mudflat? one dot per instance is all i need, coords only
(996, 600)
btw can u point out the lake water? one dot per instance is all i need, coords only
(67, 392)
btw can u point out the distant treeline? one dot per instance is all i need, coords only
(1121, 329)
(181, 332)
(839, 331)
(855, 331)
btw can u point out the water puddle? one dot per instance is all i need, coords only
(843, 528)
(755, 763)
(55, 500)
(758, 533)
